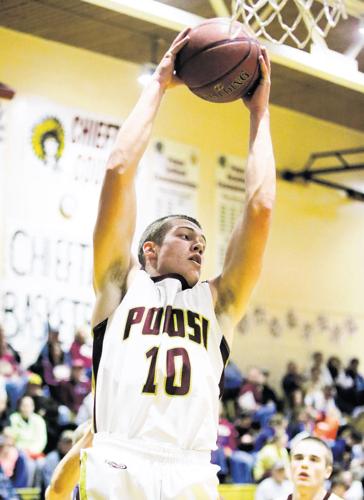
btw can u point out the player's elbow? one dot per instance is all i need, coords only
(261, 206)
(117, 162)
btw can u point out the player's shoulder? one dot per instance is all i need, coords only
(334, 497)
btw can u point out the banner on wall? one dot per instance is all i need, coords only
(230, 190)
(51, 183)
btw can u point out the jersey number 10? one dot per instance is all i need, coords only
(150, 387)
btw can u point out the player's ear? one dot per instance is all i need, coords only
(328, 471)
(149, 249)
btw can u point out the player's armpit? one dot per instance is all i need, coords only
(112, 292)
(243, 261)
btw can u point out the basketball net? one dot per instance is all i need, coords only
(279, 20)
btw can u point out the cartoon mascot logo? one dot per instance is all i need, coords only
(48, 141)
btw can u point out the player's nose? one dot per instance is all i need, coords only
(197, 246)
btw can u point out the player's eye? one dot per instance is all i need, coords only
(185, 236)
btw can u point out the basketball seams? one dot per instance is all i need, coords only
(205, 48)
(230, 70)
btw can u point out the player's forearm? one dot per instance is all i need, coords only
(260, 171)
(67, 473)
(135, 132)
(65, 478)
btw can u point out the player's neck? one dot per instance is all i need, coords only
(309, 494)
(151, 270)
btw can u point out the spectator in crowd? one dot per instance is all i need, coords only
(338, 377)
(292, 381)
(271, 453)
(54, 367)
(277, 424)
(52, 337)
(46, 407)
(11, 371)
(352, 371)
(4, 411)
(251, 397)
(300, 422)
(244, 424)
(355, 490)
(339, 486)
(7, 490)
(53, 458)
(269, 395)
(314, 382)
(226, 445)
(28, 428)
(81, 349)
(72, 392)
(233, 380)
(322, 402)
(13, 462)
(311, 467)
(328, 416)
(318, 366)
(276, 486)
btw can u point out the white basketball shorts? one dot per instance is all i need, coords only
(126, 470)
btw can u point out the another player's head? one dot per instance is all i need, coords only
(173, 244)
(311, 465)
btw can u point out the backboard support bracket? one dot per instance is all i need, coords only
(310, 174)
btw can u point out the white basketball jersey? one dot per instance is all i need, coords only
(158, 364)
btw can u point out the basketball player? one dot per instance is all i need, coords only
(311, 466)
(159, 350)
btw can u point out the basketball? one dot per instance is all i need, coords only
(220, 62)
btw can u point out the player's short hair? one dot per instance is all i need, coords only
(157, 230)
(329, 456)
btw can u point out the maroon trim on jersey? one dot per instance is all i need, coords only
(225, 353)
(98, 342)
(176, 276)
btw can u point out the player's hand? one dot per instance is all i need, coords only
(165, 73)
(257, 103)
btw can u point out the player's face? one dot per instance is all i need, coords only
(182, 251)
(309, 465)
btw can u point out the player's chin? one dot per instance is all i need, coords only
(192, 278)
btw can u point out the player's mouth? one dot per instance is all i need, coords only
(303, 475)
(196, 258)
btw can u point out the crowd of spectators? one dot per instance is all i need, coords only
(41, 406)
(258, 425)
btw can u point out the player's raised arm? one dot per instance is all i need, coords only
(243, 260)
(117, 206)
